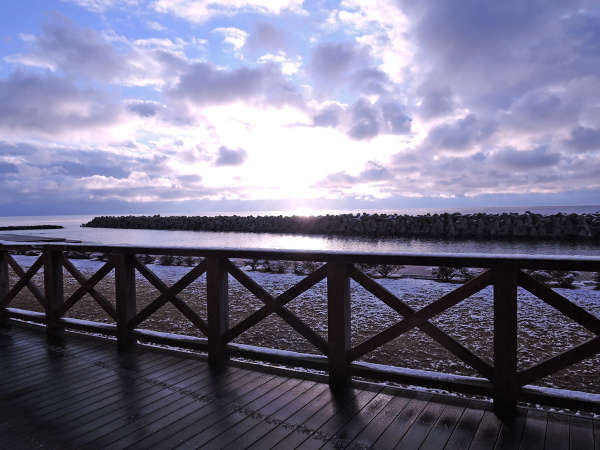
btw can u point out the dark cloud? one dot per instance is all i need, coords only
(266, 38)
(329, 116)
(75, 50)
(370, 81)
(459, 135)
(229, 157)
(506, 56)
(67, 164)
(98, 167)
(583, 28)
(144, 108)
(365, 124)
(205, 84)
(375, 172)
(542, 110)
(351, 67)
(16, 149)
(584, 139)
(364, 120)
(526, 159)
(335, 65)
(189, 179)
(436, 102)
(7, 168)
(337, 180)
(395, 118)
(50, 104)
(334, 60)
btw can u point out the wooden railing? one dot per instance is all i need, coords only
(500, 380)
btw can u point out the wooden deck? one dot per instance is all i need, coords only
(86, 394)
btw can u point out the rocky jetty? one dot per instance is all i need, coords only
(528, 226)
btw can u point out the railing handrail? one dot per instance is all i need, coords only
(476, 260)
(502, 380)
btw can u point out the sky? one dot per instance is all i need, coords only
(189, 106)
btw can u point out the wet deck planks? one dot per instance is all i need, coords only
(88, 395)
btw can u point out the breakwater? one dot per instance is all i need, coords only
(528, 226)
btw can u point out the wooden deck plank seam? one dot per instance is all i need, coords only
(28, 377)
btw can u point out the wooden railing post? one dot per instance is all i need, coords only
(125, 298)
(4, 288)
(338, 313)
(506, 389)
(53, 290)
(217, 309)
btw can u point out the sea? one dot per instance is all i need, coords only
(170, 238)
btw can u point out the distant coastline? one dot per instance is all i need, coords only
(505, 226)
(31, 227)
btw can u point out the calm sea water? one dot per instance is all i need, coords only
(72, 230)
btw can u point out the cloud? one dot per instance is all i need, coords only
(202, 11)
(67, 163)
(541, 110)
(584, 139)
(17, 149)
(52, 105)
(229, 157)
(156, 26)
(87, 169)
(189, 179)
(394, 117)
(459, 135)
(370, 81)
(204, 84)
(103, 5)
(474, 98)
(492, 53)
(6, 168)
(233, 36)
(329, 116)
(436, 101)
(365, 120)
(288, 65)
(373, 172)
(144, 108)
(337, 61)
(338, 180)
(526, 159)
(266, 37)
(365, 123)
(63, 45)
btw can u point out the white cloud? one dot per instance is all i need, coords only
(234, 37)
(156, 26)
(288, 65)
(200, 11)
